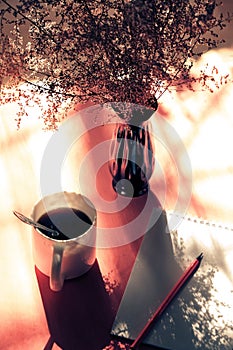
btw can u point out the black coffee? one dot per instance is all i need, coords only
(69, 223)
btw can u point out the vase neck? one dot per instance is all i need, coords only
(133, 113)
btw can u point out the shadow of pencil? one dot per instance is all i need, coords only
(79, 316)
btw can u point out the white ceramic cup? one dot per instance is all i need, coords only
(67, 258)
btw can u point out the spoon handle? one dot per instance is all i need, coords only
(28, 221)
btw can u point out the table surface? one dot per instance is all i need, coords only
(34, 317)
(81, 315)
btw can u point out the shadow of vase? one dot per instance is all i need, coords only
(79, 316)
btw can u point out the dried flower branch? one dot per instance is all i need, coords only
(57, 53)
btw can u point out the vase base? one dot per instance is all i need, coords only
(125, 188)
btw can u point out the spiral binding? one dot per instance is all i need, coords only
(201, 221)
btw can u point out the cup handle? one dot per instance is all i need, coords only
(56, 279)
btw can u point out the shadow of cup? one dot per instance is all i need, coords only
(80, 315)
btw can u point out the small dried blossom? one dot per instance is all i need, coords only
(117, 345)
(58, 53)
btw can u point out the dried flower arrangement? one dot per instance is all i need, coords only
(57, 53)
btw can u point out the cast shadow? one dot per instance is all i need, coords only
(79, 316)
(155, 272)
(82, 314)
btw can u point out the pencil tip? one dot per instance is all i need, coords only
(200, 257)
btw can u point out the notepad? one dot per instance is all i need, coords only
(201, 317)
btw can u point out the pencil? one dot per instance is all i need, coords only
(188, 273)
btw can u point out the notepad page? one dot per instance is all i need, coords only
(200, 317)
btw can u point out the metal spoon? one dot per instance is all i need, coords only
(28, 221)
